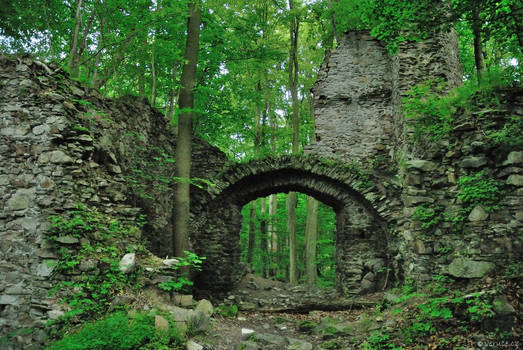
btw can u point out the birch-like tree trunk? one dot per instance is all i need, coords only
(74, 43)
(311, 239)
(252, 232)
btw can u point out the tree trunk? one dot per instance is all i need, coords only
(311, 238)
(264, 241)
(252, 233)
(184, 140)
(292, 197)
(172, 92)
(74, 45)
(94, 81)
(153, 82)
(333, 24)
(478, 49)
(291, 227)
(273, 234)
(117, 59)
(153, 62)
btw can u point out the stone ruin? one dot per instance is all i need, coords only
(62, 144)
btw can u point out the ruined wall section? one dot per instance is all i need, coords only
(62, 144)
(488, 240)
(353, 106)
(435, 59)
(427, 173)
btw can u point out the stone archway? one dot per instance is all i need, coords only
(361, 233)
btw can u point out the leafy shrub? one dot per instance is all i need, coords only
(229, 311)
(429, 217)
(432, 111)
(475, 189)
(85, 222)
(509, 137)
(480, 189)
(378, 340)
(120, 331)
(432, 115)
(180, 283)
(89, 293)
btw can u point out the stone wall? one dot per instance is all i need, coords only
(488, 240)
(357, 97)
(61, 144)
(351, 77)
(435, 59)
(353, 108)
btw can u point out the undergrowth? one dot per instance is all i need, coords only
(93, 261)
(433, 112)
(120, 330)
(443, 315)
(476, 189)
(89, 277)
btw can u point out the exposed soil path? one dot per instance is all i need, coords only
(275, 315)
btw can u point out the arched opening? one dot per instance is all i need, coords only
(264, 239)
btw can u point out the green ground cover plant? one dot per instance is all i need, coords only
(121, 330)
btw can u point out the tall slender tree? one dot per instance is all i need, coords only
(294, 25)
(184, 140)
(311, 239)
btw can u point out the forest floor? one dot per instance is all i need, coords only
(275, 315)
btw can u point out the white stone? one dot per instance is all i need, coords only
(246, 333)
(170, 262)
(191, 345)
(128, 263)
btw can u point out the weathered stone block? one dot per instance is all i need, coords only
(478, 214)
(514, 157)
(502, 306)
(420, 164)
(467, 268)
(128, 263)
(474, 162)
(161, 324)
(516, 180)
